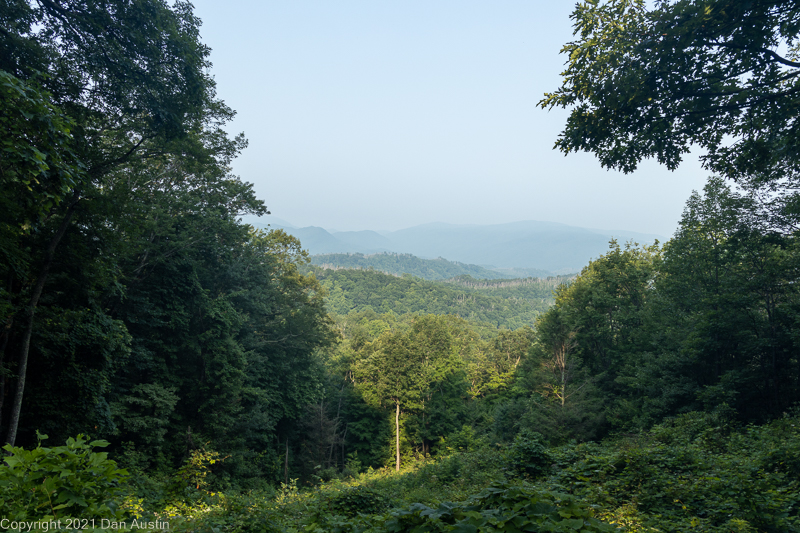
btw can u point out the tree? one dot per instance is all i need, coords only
(589, 341)
(224, 328)
(647, 83)
(491, 367)
(38, 169)
(562, 367)
(107, 84)
(130, 74)
(563, 401)
(722, 316)
(403, 366)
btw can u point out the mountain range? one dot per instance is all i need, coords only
(543, 246)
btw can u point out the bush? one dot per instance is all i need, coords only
(358, 500)
(502, 507)
(463, 440)
(191, 477)
(690, 473)
(528, 455)
(68, 481)
(233, 513)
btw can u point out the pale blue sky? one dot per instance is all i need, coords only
(387, 114)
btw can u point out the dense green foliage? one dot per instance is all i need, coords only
(501, 508)
(135, 307)
(362, 290)
(427, 374)
(698, 471)
(703, 323)
(649, 81)
(399, 264)
(243, 389)
(71, 480)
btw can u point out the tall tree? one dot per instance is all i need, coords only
(591, 339)
(651, 82)
(38, 168)
(131, 79)
(224, 327)
(403, 366)
(726, 299)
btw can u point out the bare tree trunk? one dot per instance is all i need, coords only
(344, 437)
(397, 427)
(561, 365)
(5, 336)
(30, 310)
(331, 451)
(286, 463)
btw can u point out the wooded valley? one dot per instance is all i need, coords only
(399, 264)
(161, 361)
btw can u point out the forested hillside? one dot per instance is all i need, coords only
(160, 361)
(360, 290)
(398, 264)
(525, 288)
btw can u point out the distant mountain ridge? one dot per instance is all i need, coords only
(506, 248)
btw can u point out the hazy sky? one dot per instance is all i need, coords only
(387, 114)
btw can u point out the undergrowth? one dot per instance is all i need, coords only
(697, 472)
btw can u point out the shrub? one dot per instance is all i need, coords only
(358, 500)
(502, 507)
(463, 440)
(67, 481)
(528, 455)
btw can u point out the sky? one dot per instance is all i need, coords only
(381, 115)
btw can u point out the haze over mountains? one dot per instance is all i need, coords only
(542, 246)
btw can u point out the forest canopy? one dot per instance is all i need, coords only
(135, 305)
(720, 75)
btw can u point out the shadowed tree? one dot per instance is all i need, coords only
(119, 82)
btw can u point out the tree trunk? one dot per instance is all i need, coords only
(344, 437)
(5, 336)
(286, 463)
(397, 428)
(30, 310)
